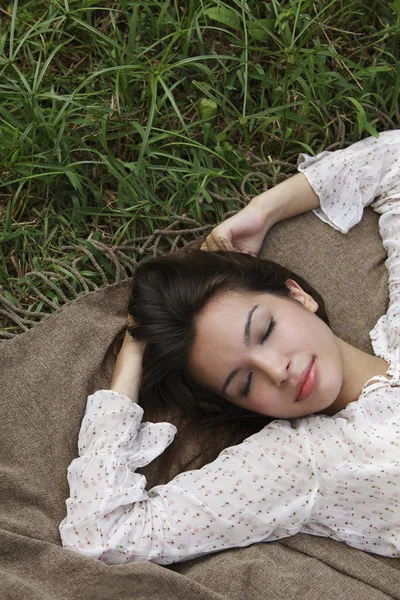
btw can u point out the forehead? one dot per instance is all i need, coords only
(225, 317)
(238, 302)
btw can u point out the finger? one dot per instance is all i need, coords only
(209, 245)
(225, 243)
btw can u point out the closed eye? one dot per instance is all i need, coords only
(269, 331)
(246, 390)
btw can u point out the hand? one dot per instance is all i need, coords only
(243, 232)
(130, 342)
(128, 367)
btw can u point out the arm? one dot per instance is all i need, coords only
(252, 492)
(287, 199)
(358, 174)
(245, 231)
(128, 368)
(346, 181)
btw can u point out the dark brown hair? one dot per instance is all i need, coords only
(167, 295)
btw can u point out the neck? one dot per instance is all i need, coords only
(359, 367)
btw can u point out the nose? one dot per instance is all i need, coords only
(275, 366)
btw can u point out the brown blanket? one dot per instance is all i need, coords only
(47, 373)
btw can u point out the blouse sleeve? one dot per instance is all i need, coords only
(365, 173)
(258, 491)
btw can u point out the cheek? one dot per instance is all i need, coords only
(263, 399)
(330, 376)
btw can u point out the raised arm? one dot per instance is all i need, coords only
(346, 181)
(128, 368)
(361, 173)
(252, 492)
(245, 231)
(365, 174)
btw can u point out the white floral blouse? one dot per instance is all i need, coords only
(335, 476)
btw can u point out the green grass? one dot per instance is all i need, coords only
(117, 117)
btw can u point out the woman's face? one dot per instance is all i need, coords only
(233, 358)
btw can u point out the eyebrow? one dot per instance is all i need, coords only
(246, 340)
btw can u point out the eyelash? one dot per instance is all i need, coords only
(270, 329)
(246, 390)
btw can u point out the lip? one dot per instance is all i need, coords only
(307, 381)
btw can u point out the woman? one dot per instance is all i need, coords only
(332, 470)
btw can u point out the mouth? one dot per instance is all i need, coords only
(307, 381)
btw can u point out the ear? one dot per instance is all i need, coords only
(297, 293)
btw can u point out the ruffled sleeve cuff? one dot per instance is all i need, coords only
(113, 424)
(348, 180)
(335, 181)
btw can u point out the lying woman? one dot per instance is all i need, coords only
(235, 337)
